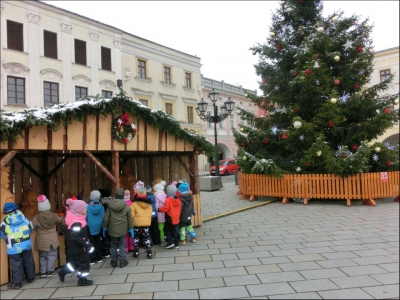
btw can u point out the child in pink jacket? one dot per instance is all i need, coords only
(160, 196)
(128, 239)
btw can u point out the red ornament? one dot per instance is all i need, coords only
(331, 124)
(318, 55)
(308, 164)
(256, 119)
(389, 163)
(360, 48)
(296, 110)
(284, 136)
(344, 155)
(265, 142)
(125, 118)
(356, 86)
(336, 81)
(279, 47)
(308, 72)
(243, 144)
(355, 147)
(386, 110)
(125, 140)
(294, 73)
(264, 80)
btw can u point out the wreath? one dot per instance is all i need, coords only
(123, 129)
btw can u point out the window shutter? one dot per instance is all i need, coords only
(15, 36)
(50, 44)
(80, 52)
(106, 58)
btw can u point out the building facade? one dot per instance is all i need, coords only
(226, 142)
(386, 62)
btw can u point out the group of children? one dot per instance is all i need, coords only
(147, 220)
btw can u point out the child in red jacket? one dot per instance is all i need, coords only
(172, 210)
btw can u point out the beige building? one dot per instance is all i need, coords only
(386, 62)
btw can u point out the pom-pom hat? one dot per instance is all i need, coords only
(159, 187)
(141, 193)
(76, 207)
(127, 195)
(43, 203)
(95, 195)
(171, 190)
(183, 188)
(9, 207)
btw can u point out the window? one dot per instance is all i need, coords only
(80, 52)
(50, 90)
(106, 58)
(232, 121)
(15, 36)
(50, 44)
(80, 92)
(188, 80)
(15, 90)
(208, 118)
(144, 102)
(222, 124)
(168, 108)
(142, 69)
(167, 75)
(385, 74)
(106, 94)
(190, 114)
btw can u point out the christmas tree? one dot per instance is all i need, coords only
(321, 115)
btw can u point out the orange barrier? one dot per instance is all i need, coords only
(320, 186)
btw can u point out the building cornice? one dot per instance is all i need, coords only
(141, 92)
(169, 97)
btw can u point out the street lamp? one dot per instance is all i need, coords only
(226, 110)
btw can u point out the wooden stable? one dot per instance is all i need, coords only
(366, 186)
(83, 156)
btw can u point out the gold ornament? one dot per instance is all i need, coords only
(241, 129)
(335, 19)
(377, 149)
(254, 52)
(298, 169)
(336, 58)
(396, 101)
(244, 157)
(302, 32)
(272, 34)
(366, 25)
(333, 100)
(318, 153)
(320, 29)
(289, 9)
(297, 124)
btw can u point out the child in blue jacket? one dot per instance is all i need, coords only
(94, 218)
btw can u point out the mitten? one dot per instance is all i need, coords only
(193, 212)
(105, 232)
(131, 233)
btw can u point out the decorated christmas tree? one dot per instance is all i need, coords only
(320, 114)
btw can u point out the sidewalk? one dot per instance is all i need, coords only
(324, 250)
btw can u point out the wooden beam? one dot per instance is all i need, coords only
(194, 180)
(101, 167)
(33, 171)
(58, 166)
(185, 166)
(6, 158)
(115, 167)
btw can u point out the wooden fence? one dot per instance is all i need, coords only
(320, 186)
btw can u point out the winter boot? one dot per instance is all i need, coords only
(123, 264)
(62, 272)
(113, 263)
(136, 253)
(149, 254)
(84, 282)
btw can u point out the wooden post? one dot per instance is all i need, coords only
(45, 167)
(115, 167)
(285, 200)
(369, 202)
(194, 176)
(6, 158)
(104, 170)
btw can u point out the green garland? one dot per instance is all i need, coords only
(13, 125)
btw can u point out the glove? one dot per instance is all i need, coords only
(91, 249)
(131, 233)
(105, 232)
(193, 212)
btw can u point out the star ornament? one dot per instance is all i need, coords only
(274, 129)
(301, 138)
(348, 45)
(375, 157)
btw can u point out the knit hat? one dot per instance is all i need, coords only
(9, 207)
(43, 203)
(159, 187)
(183, 187)
(137, 184)
(76, 207)
(119, 193)
(95, 195)
(171, 190)
(141, 193)
(148, 189)
(174, 182)
(127, 195)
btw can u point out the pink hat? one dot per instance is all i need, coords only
(43, 203)
(138, 184)
(127, 195)
(76, 207)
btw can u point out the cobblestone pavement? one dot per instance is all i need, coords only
(324, 250)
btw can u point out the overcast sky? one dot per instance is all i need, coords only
(221, 32)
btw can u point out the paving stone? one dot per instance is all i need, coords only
(208, 265)
(269, 241)
(318, 244)
(226, 272)
(355, 281)
(179, 275)
(173, 267)
(219, 246)
(356, 248)
(130, 296)
(189, 259)
(322, 273)
(201, 283)
(339, 255)
(394, 250)
(163, 286)
(241, 280)
(224, 292)
(374, 260)
(389, 278)
(313, 285)
(113, 289)
(242, 262)
(383, 291)
(363, 270)
(376, 246)
(392, 267)
(145, 277)
(345, 294)
(280, 277)
(274, 260)
(265, 248)
(372, 240)
(305, 257)
(299, 266)
(311, 295)
(100, 271)
(83, 291)
(316, 250)
(171, 253)
(133, 269)
(267, 289)
(177, 295)
(290, 246)
(156, 261)
(37, 293)
(224, 256)
(89, 297)
(320, 238)
(284, 252)
(9, 294)
(263, 269)
(373, 252)
(108, 279)
(236, 250)
(254, 254)
(204, 252)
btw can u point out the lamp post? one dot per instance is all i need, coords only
(226, 110)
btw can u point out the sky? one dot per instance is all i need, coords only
(221, 32)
